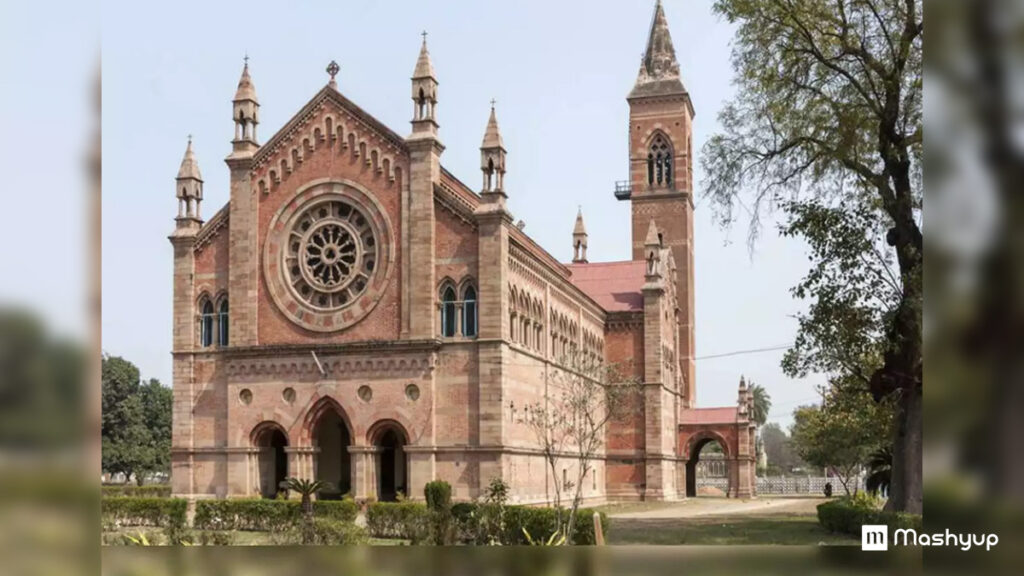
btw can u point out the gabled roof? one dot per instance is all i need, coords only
(327, 93)
(615, 286)
(726, 415)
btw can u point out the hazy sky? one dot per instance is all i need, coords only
(560, 72)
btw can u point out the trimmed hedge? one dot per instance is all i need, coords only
(411, 521)
(133, 491)
(256, 514)
(848, 515)
(129, 511)
(408, 520)
(170, 514)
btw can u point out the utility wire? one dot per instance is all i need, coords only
(739, 352)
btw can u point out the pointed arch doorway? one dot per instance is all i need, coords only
(331, 436)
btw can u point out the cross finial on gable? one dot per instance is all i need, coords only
(493, 102)
(333, 69)
(424, 34)
(246, 58)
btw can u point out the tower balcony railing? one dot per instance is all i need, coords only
(623, 189)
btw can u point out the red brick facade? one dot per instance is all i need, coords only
(379, 324)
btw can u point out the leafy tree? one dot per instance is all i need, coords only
(762, 403)
(779, 449)
(843, 432)
(135, 422)
(828, 116)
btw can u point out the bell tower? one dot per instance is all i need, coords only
(660, 186)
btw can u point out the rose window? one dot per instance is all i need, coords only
(331, 254)
(328, 255)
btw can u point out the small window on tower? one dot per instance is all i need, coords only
(659, 162)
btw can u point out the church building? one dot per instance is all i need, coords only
(358, 314)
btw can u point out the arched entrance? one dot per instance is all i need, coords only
(331, 437)
(389, 440)
(272, 463)
(711, 443)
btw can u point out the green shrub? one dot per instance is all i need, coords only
(246, 514)
(439, 495)
(336, 510)
(847, 515)
(471, 521)
(267, 515)
(439, 502)
(166, 513)
(133, 491)
(408, 520)
(329, 532)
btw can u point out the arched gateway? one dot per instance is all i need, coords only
(733, 430)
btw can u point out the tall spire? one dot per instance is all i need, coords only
(424, 68)
(424, 96)
(659, 70)
(492, 136)
(189, 164)
(245, 111)
(246, 89)
(492, 156)
(188, 185)
(579, 240)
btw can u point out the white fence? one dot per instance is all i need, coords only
(810, 485)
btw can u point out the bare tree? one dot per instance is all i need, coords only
(583, 396)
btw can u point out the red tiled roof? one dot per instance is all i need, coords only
(725, 415)
(615, 286)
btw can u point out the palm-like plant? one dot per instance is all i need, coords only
(762, 404)
(879, 471)
(306, 489)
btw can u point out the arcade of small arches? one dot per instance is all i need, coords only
(213, 320)
(527, 328)
(326, 448)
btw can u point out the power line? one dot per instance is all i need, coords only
(739, 352)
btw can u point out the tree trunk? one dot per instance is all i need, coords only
(905, 490)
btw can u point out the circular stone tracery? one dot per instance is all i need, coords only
(327, 256)
(331, 254)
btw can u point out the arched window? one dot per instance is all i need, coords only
(469, 311)
(659, 163)
(448, 312)
(222, 323)
(206, 324)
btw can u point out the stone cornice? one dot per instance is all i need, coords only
(527, 260)
(396, 359)
(298, 120)
(212, 227)
(453, 203)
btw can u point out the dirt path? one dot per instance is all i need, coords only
(697, 507)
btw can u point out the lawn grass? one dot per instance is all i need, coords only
(711, 530)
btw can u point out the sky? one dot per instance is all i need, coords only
(560, 72)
